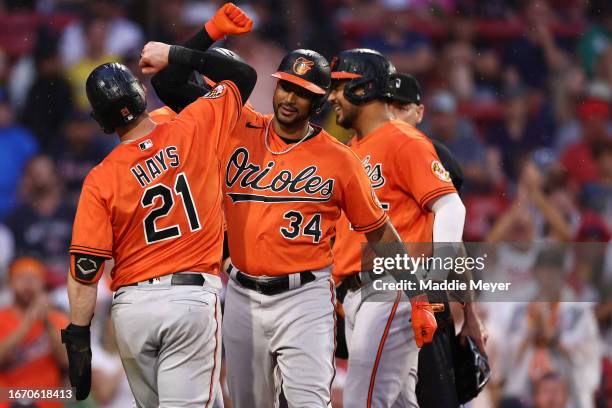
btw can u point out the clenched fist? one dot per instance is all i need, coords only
(154, 57)
(229, 19)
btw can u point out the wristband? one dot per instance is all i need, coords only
(77, 329)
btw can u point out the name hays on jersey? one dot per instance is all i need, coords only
(153, 167)
(305, 186)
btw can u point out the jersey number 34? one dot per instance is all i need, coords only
(181, 187)
(311, 229)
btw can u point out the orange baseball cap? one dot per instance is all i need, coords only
(307, 69)
(27, 264)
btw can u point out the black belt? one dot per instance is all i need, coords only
(194, 279)
(270, 286)
(354, 282)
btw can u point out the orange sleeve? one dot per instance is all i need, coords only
(212, 117)
(92, 232)
(419, 171)
(359, 202)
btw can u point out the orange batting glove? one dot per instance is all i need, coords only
(423, 319)
(229, 19)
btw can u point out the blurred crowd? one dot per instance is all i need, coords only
(519, 91)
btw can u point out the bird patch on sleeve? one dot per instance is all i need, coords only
(439, 171)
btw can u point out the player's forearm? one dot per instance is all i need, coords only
(470, 311)
(171, 84)
(386, 243)
(217, 67)
(449, 218)
(465, 297)
(82, 299)
(201, 41)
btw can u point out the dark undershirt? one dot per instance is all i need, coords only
(291, 141)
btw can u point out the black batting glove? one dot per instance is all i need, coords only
(78, 346)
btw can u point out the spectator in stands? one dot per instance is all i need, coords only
(410, 51)
(95, 55)
(550, 391)
(120, 36)
(79, 150)
(17, 146)
(597, 194)
(487, 74)
(443, 123)
(48, 100)
(568, 90)
(578, 158)
(603, 312)
(455, 69)
(588, 277)
(518, 134)
(551, 334)
(533, 215)
(31, 353)
(42, 223)
(538, 48)
(598, 37)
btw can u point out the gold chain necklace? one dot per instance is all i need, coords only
(293, 146)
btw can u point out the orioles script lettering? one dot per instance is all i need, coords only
(306, 185)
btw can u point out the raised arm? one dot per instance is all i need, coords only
(156, 56)
(173, 85)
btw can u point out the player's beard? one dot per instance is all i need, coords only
(296, 122)
(347, 116)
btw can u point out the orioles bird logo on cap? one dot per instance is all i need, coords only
(301, 66)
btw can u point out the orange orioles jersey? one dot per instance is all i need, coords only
(154, 204)
(406, 175)
(281, 209)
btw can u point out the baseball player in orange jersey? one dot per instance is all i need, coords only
(154, 206)
(417, 193)
(286, 183)
(436, 374)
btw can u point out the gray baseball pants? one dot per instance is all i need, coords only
(383, 356)
(280, 348)
(169, 340)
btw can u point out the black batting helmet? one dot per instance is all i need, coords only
(367, 69)
(227, 53)
(308, 69)
(116, 96)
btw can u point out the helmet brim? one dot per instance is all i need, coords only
(344, 75)
(299, 82)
